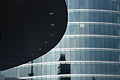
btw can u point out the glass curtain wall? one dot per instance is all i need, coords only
(91, 46)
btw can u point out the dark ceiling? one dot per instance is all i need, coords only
(29, 29)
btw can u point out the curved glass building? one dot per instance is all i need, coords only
(89, 50)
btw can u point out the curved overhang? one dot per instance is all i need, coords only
(29, 29)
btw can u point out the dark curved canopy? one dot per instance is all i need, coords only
(29, 29)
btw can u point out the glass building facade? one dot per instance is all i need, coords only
(91, 46)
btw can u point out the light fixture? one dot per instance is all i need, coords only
(51, 13)
(52, 25)
(39, 48)
(46, 42)
(50, 34)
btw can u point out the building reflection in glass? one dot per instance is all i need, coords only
(63, 68)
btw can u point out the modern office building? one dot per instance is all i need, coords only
(91, 45)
